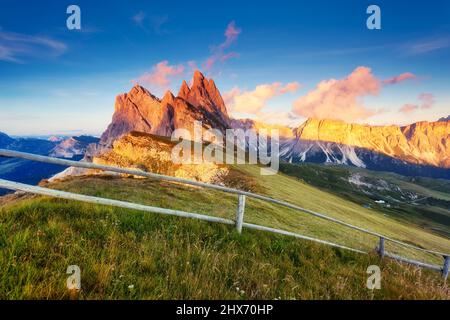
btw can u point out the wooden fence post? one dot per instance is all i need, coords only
(381, 247)
(446, 267)
(240, 213)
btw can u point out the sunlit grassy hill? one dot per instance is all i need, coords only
(129, 254)
(424, 202)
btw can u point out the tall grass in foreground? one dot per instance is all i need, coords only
(126, 254)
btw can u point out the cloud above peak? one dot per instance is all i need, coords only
(231, 34)
(252, 102)
(408, 108)
(340, 99)
(161, 75)
(426, 101)
(218, 53)
(400, 78)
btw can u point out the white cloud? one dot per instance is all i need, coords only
(252, 102)
(16, 47)
(340, 99)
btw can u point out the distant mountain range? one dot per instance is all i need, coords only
(32, 172)
(73, 146)
(421, 148)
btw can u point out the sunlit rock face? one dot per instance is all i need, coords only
(137, 150)
(154, 154)
(205, 95)
(424, 143)
(430, 142)
(139, 110)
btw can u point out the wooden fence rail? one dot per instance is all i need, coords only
(239, 223)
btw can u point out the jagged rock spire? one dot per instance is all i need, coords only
(139, 110)
(184, 90)
(204, 93)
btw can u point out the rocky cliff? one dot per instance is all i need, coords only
(139, 110)
(426, 143)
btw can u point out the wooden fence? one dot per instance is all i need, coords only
(238, 222)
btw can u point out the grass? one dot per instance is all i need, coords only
(124, 254)
(300, 193)
(134, 255)
(423, 202)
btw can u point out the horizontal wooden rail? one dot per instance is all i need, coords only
(296, 235)
(413, 262)
(109, 202)
(136, 172)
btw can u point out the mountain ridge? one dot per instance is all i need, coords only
(139, 110)
(421, 145)
(32, 172)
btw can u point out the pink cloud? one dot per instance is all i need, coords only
(426, 102)
(408, 108)
(254, 101)
(400, 78)
(161, 74)
(290, 87)
(231, 34)
(340, 99)
(218, 52)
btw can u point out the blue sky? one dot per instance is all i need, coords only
(57, 81)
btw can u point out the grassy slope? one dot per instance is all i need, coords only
(165, 257)
(411, 200)
(302, 194)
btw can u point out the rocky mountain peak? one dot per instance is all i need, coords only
(168, 98)
(139, 110)
(184, 90)
(204, 93)
(198, 78)
(138, 90)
